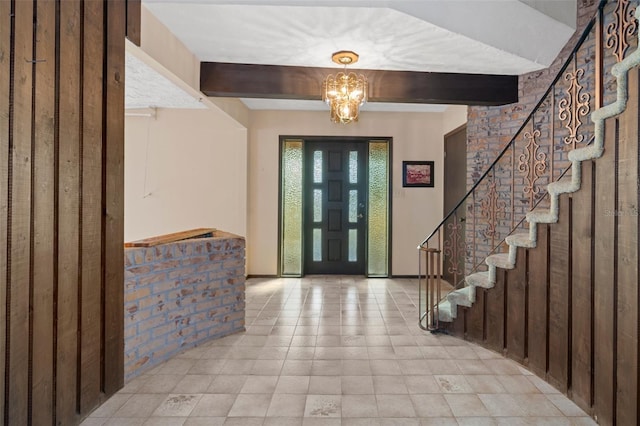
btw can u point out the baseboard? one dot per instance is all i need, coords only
(261, 276)
(414, 276)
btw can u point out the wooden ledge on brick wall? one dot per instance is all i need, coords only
(170, 238)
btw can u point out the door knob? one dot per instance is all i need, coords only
(360, 215)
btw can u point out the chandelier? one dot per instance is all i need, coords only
(344, 92)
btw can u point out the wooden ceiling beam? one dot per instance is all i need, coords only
(305, 83)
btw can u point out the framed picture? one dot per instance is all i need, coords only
(417, 174)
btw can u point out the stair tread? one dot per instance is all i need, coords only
(521, 240)
(463, 296)
(479, 279)
(540, 216)
(559, 185)
(444, 311)
(500, 260)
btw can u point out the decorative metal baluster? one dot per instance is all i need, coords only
(452, 248)
(492, 209)
(573, 107)
(623, 26)
(532, 164)
(552, 132)
(475, 222)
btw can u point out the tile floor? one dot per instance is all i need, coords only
(331, 351)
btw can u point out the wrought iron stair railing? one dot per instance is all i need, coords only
(536, 155)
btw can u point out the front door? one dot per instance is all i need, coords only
(335, 202)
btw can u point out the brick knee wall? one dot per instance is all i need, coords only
(179, 295)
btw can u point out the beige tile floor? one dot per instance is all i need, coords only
(331, 351)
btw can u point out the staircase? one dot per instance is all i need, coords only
(576, 332)
(466, 296)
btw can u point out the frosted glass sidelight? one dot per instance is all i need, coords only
(353, 206)
(317, 205)
(317, 245)
(353, 167)
(292, 207)
(353, 245)
(377, 264)
(317, 167)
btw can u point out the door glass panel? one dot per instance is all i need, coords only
(317, 167)
(378, 209)
(317, 245)
(317, 205)
(353, 206)
(291, 207)
(353, 245)
(353, 167)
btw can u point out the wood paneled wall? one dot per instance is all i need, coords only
(61, 207)
(569, 310)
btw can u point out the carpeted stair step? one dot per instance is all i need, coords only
(521, 240)
(500, 260)
(479, 279)
(541, 216)
(462, 296)
(562, 187)
(446, 312)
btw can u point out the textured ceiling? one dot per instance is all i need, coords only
(146, 88)
(466, 36)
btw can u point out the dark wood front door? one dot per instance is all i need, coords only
(335, 213)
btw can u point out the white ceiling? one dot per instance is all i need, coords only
(465, 36)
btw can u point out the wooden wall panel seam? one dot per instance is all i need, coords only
(6, 91)
(614, 373)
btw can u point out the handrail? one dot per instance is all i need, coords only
(567, 62)
(522, 220)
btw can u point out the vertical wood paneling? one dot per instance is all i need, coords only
(5, 75)
(113, 231)
(475, 318)
(517, 308)
(495, 313)
(582, 290)
(20, 217)
(43, 206)
(604, 351)
(68, 205)
(559, 286)
(538, 325)
(134, 11)
(457, 327)
(627, 359)
(61, 208)
(91, 216)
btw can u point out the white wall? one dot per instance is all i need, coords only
(184, 169)
(416, 211)
(453, 117)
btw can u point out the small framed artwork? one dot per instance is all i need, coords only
(417, 174)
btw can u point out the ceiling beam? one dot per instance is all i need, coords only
(305, 83)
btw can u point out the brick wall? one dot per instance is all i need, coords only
(490, 129)
(179, 295)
